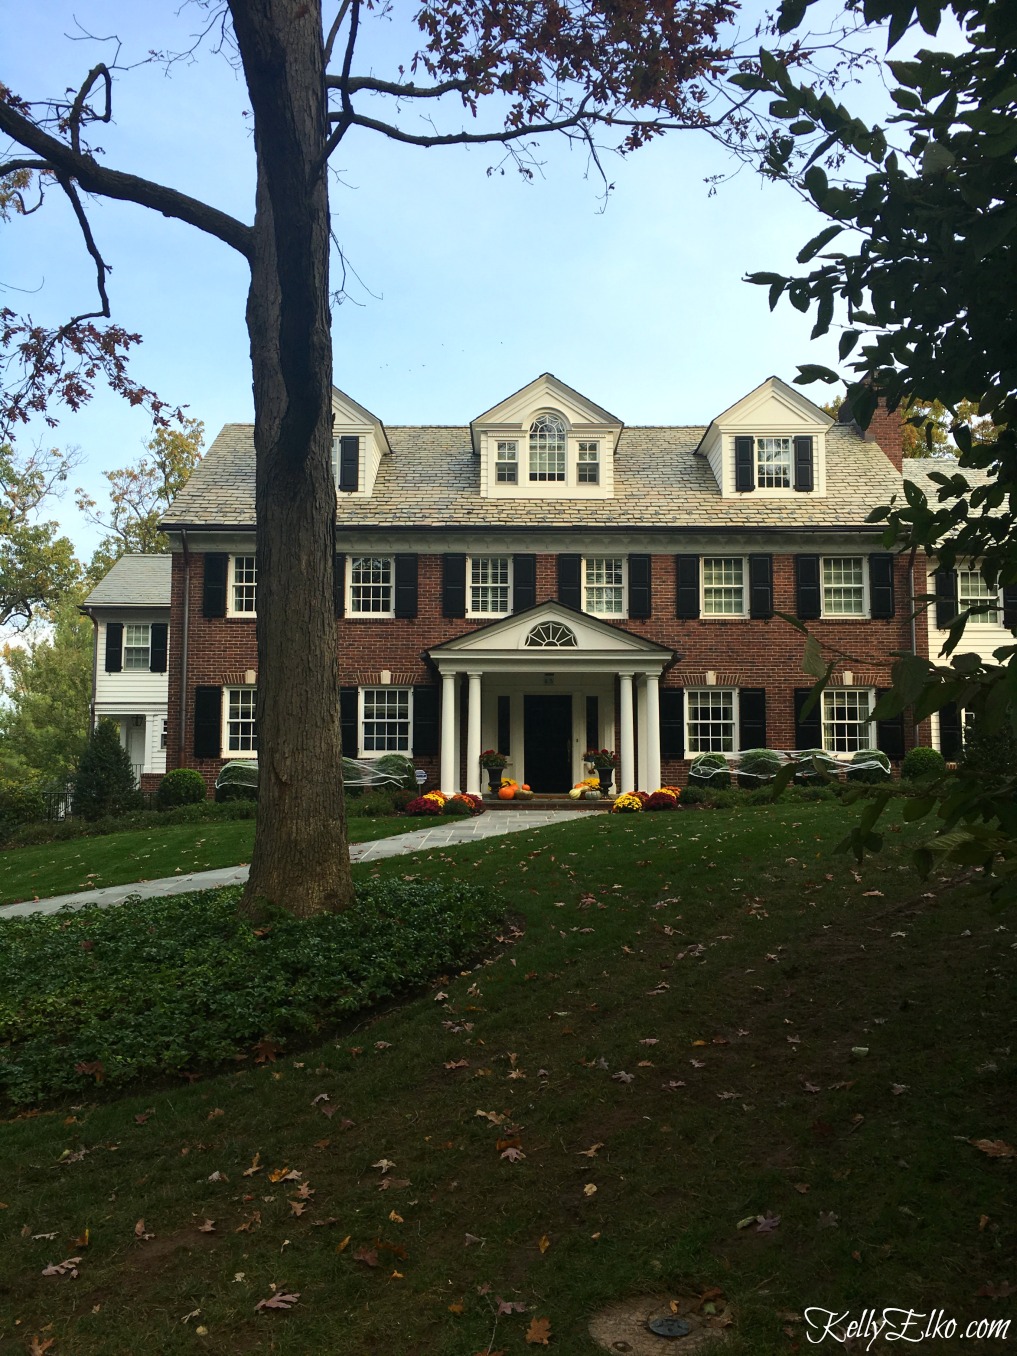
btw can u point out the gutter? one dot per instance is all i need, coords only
(472, 526)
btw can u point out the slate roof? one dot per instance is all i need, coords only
(431, 480)
(919, 471)
(134, 581)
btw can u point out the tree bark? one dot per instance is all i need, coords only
(301, 858)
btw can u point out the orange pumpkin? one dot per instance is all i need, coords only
(526, 786)
(507, 793)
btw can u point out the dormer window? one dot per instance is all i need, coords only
(506, 466)
(588, 469)
(773, 463)
(547, 448)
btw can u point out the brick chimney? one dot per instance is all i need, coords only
(885, 428)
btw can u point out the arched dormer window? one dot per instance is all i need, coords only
(547, 447)
(551, 636)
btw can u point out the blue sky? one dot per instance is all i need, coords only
(467, 284)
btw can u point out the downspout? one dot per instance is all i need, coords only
(914, 630)
(185, 627)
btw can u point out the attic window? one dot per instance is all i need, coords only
(773, 463)
(551, 636)
(547, 447)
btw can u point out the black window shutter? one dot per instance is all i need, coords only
(207, 722)
(453, 585)
(160, 645)
(1010, 607)
(808, 729)
(505, 724)
(745, 469)
(890, 733)
(640, 587)
(524, 582)
(406, 586)
(672, 722)
(425, 719)
(339, 584)
(803, 464)
(808, 596)
(570, 569)
(349, 464)
(114, 647)
(946, 598)
(752, 718)
(760, 594)
(348, 720)
(686, 587)
(951, 740)
(213, 598)
(881, 602)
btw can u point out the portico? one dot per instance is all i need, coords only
(541, 687)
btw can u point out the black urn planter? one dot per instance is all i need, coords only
(606, 775)
(494, 779)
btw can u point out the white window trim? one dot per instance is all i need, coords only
(224, 733)
(758, 491)
(829, 694)
(723, 616)
(231, 580)
(735, 751)
(866, 612)
(607, 555)
(136, 668)
(598, 461)
(371, 755)
(484, 555)
(979, 618)
(348, 587)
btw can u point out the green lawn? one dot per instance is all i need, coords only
(687, 1021)
(146, 854)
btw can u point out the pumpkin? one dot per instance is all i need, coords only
(507, 793)
(526, 786)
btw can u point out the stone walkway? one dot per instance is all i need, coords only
(447, 833)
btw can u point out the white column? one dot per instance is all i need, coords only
(642, 776)
(627, 771)
(473, 737)
(652, 733)
(449, 774)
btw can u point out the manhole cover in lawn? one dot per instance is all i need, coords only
(651, 1325)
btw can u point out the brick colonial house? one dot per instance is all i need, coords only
(547, 579)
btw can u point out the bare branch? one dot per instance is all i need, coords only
(333, 32)
(410, 91)
(507, 134)
(101, 267)
(78, 108)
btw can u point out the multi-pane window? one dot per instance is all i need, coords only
(489, 585)
(547, 447)
(137, 646)
(711, 720)
(164, 736)
(506, 465)
(846, 726)
(243, 592)
(588, 466)
(385, 720)
(773, 463)
(371, 585)
(241, 735)
(723, 586)
(973, 591)
(843, 586)
(605, 585)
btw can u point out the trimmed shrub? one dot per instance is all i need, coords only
(922, 762)
(19, 804)
(184, 786)
(694, 795)
(401, 798)
(810, 772)
(711, 769)
(374, 803)
(398, 765)
(104, 781)
(992, 756)
(869, 767)
(756, 767)
(237, 780)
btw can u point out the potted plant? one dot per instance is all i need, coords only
(605, 761)
(495, 763)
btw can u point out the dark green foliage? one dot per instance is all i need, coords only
(59, 830)
(990, 755)
(160, 986)
(237, 780)
(756, 767)
(183, 786)
(922, 762)
(398, 765)
(694, 795)
(818, 766)
(373, 803)
(104, 782)
(710, 770)
(20, 803)
(869, 767)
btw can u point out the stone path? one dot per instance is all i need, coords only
(446, 833)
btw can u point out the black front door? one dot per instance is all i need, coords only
(547, 743)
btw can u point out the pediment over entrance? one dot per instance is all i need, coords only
(551, 634)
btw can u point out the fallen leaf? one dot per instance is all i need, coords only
(622, 1077)
(279, 1300)
(828, 1220)
(139, 1231)
(591, 1152)
(802, 1188)
(539, 1332)
(509, 1306)
(995, 1148)
(456, 1307)
(266, 1052)
(589, 1189)
(68, 1267)
(208, 1227)
(249, 1224)
(38, 1347)
(513, 1154)
(298, 1207)
(214, 1113)
(395, 1217)
(255, 1166)
(543, 1243)
(393, 1183)
(767, 1223)
(217, 1176)
(384, 1164)
(368, 1256)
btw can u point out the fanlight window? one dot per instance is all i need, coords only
(551, 636)
(547, 447)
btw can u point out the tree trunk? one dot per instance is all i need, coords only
(301, 858)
